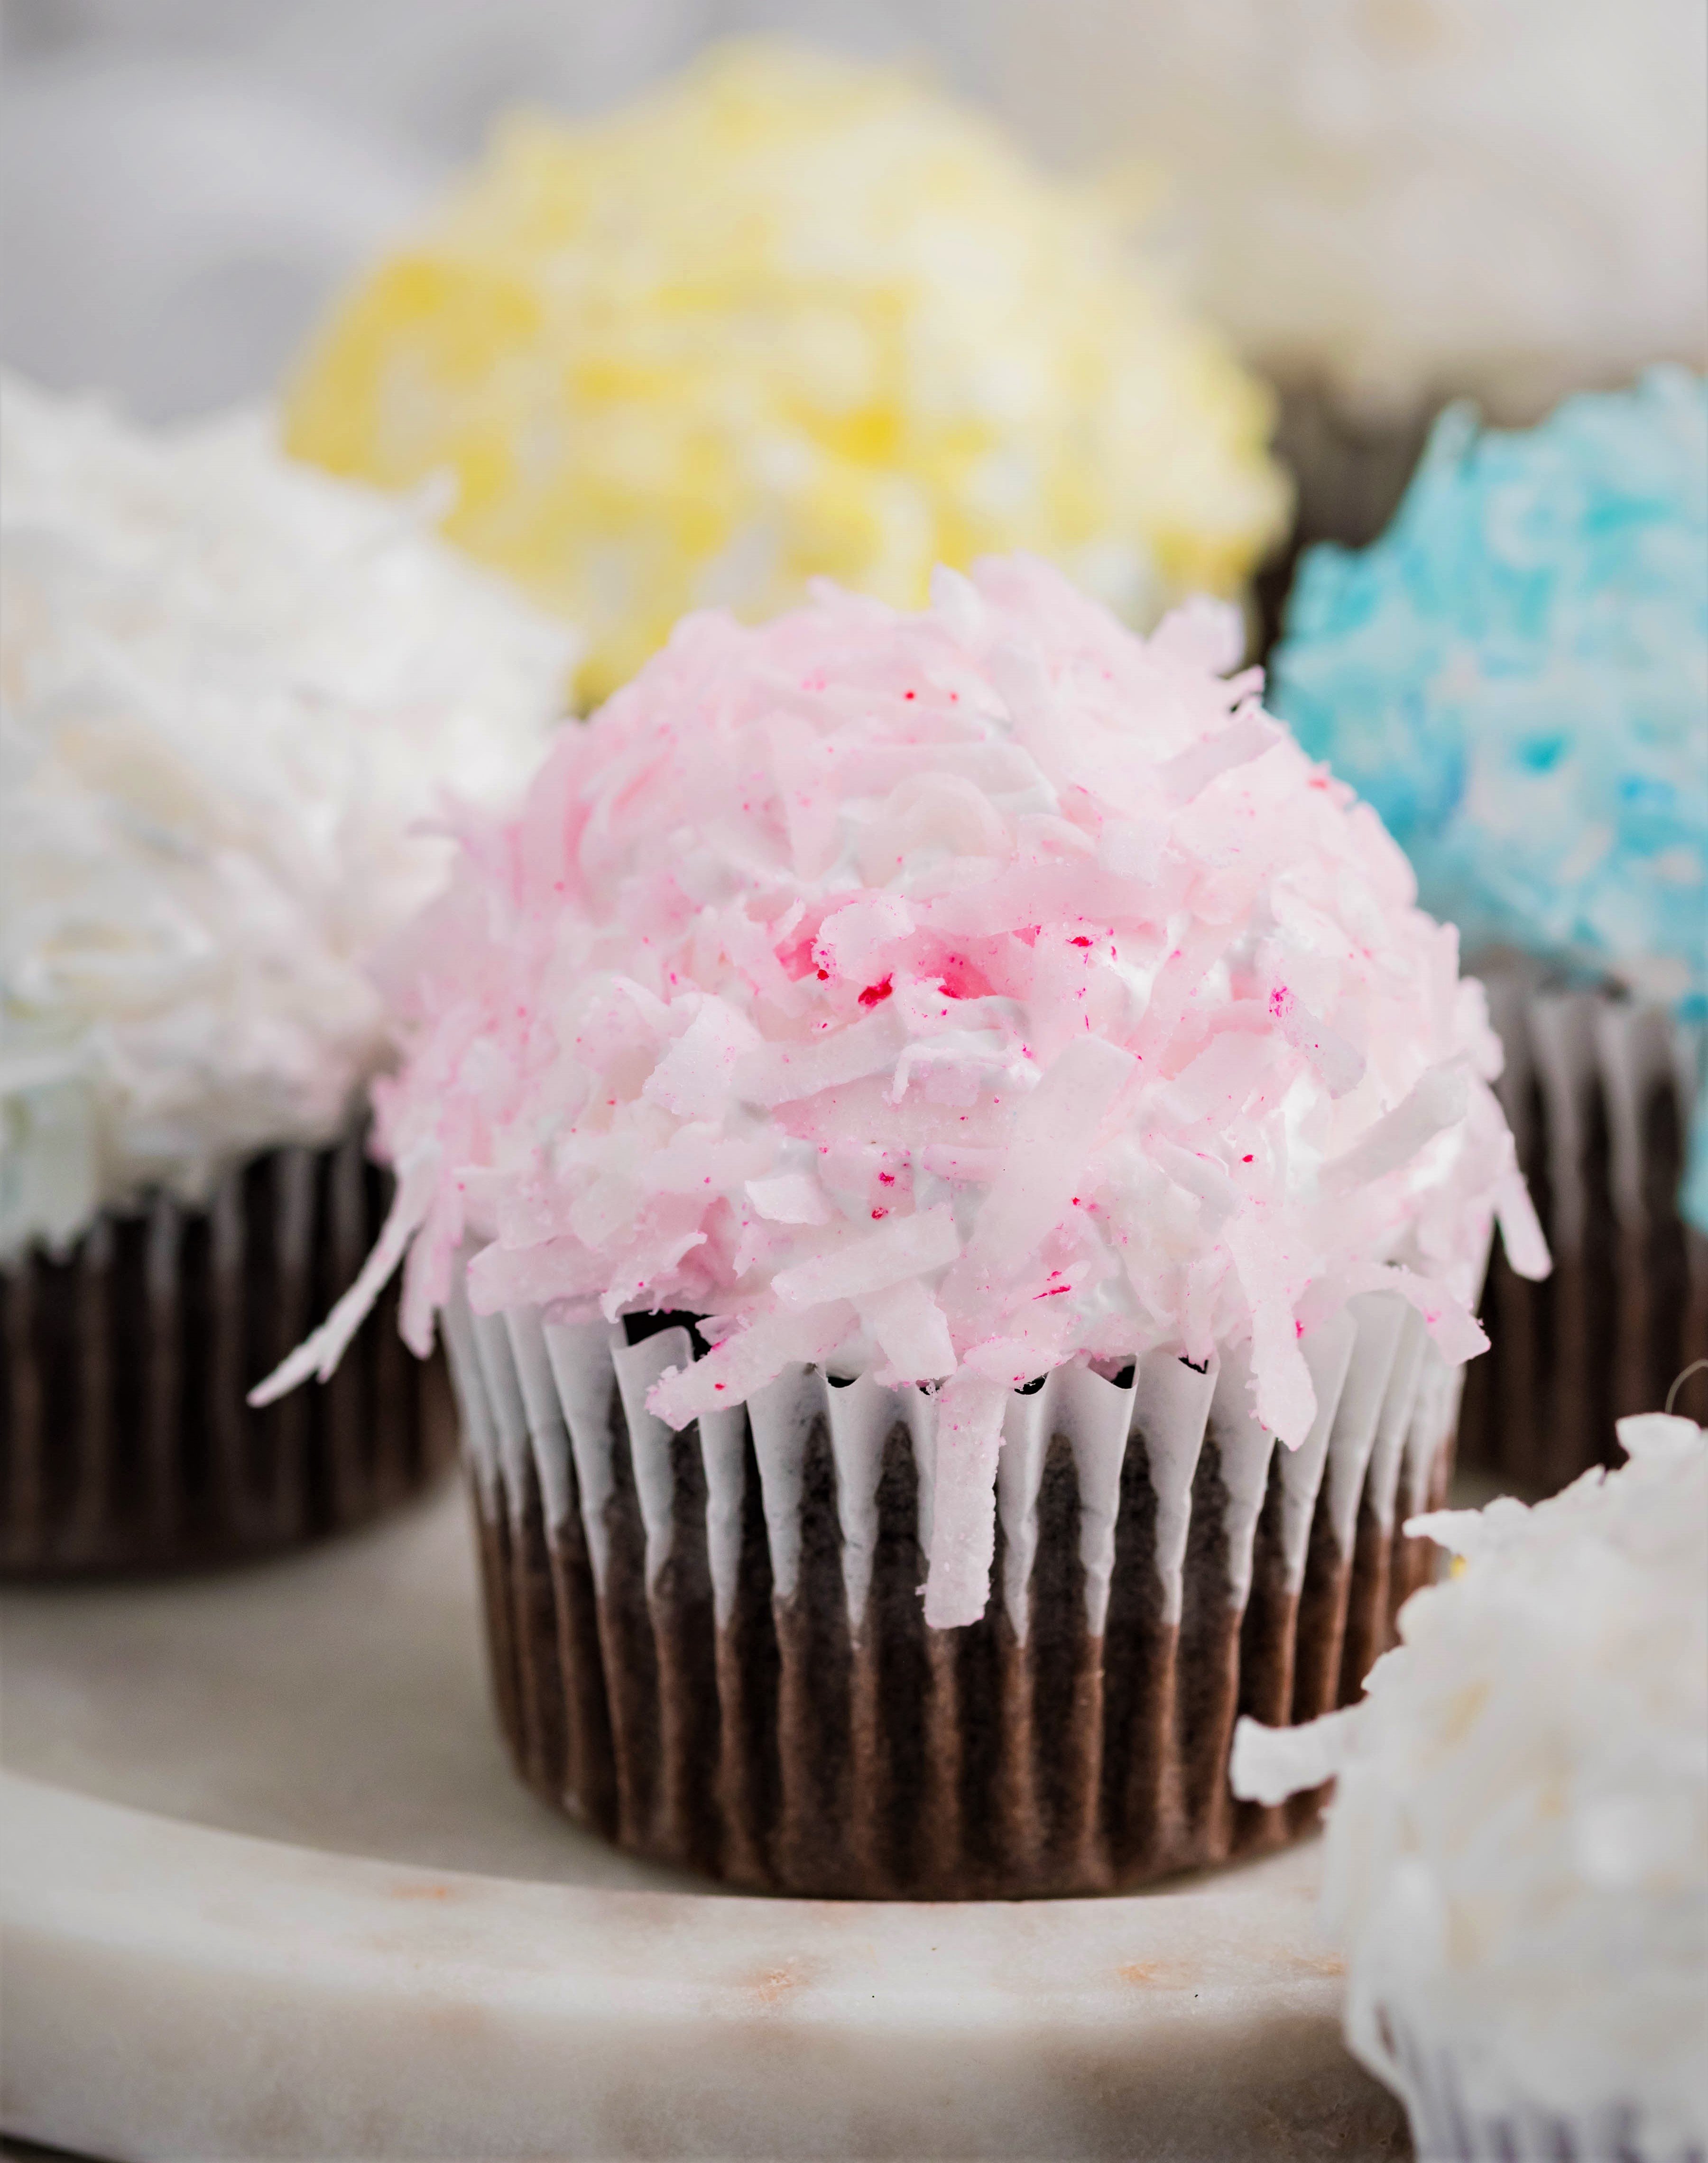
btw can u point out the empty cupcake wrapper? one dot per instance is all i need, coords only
(1464, 2109)
(125, 1441)
(1598, 1091)
(710, 1644)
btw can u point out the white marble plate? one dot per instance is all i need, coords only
(267, 1889)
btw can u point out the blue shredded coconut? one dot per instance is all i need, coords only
(1516, 676)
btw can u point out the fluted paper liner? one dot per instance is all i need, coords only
(710, 1644)
(125, 1442)
(1598, 1091)
(1451, 2124)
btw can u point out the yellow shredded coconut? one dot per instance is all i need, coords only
(790, 315)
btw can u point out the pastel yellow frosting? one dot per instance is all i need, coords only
(790, 315)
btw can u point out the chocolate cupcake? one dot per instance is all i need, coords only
(232, 690)
(1516, 1859)
(955, 1101)
(1516, 678)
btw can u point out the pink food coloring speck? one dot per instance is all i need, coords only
(876, 994)
(1245, 1160)
(886, 1179)
(1079, 942)
(877, 1214)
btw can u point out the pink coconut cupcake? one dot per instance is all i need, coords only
(957, 1102)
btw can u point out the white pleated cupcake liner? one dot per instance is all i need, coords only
(1462, 2109)
(710, 1644)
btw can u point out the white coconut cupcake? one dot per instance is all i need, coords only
(1518, 1852)
(232, 690)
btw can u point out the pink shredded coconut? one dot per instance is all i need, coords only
(947, 996)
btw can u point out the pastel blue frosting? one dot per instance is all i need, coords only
(1516, 676)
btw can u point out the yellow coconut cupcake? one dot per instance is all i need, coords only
(790, 317)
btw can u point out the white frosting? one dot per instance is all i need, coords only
(1407, 196)
(1517, 1855)
(229, 687)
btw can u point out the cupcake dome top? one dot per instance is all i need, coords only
(789, 316)
(1518, 1852)
(1407, 198)
(229, 687)
(944, 997)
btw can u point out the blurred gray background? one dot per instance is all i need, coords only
(326, 121)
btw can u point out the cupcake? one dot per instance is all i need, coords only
(790, 317)
(1392, 204)
(1516, 1859)
(231, 691)
(956, 1100)
(1516, 677)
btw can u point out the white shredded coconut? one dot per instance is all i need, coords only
(1517, 1854)
(229, 687)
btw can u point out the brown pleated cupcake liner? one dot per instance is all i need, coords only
(1598, 1091)
(710, 1644)
(125, 1441)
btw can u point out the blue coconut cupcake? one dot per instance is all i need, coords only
(1516, 676)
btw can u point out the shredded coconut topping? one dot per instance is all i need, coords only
(791, 315)
(229, 687)
(948, 996)
(1518, 1852)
